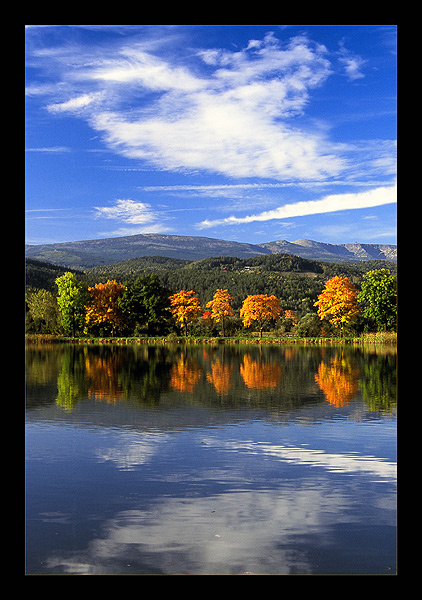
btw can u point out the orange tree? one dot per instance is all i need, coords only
(185, 308)
(260, 308)
(220, 307)
(338, 302)
(103, 309)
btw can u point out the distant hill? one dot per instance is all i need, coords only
(92, 253)
(334, 252)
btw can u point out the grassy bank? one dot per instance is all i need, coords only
(366, 338)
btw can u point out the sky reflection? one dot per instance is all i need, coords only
(216, 475)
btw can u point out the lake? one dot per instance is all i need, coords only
(210, 460)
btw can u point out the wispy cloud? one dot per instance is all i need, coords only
(53, 149)
(352, 63)
(138, 215)
(224, 112)
(331, 203)
(74, 104)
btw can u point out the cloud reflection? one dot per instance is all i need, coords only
(347, 463)
(213, 535)
(240, 531)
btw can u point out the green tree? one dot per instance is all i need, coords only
(309, 326)
(72, 298)
(145, 303)
(43, 310)
(378, 297)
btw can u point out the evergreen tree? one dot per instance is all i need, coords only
(145, 303)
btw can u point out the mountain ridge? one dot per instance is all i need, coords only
(85, 254)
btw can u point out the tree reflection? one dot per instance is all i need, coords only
(102, 373)
(145, 375)
(185, 374)
(378, 382)
(71, 381)
(339, 380)
(111, 375)
(260, 375)
(142, 374)
(220, 376)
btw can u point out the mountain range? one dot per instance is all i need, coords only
(91, 253)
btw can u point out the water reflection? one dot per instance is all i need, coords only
(165, 538)
(210, 460)
(185, 374)
(260, 375)
(339, 380)
(234, 374)
(220, 376)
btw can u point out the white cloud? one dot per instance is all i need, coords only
(231, 119)
(332, 203)
(139, 215)
(216, 110)
(139, 67)
(54, 149)
(127, 211)
(74, 104)
(223, 137)
(352, 63)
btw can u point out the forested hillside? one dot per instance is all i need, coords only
(42, 275)
(295, 280)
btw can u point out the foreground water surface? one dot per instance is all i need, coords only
(210, 460)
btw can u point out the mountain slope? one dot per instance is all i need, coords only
(91, 253)
(334, 252)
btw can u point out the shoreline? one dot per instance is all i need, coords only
(385, 338)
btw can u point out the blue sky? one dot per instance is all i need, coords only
(247, 133)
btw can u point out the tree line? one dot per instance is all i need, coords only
(146, 306)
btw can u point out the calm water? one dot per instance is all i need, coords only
(211, 460)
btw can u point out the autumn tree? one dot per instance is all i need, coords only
(379, 298)
(338, 302)
(185, 308)
(220, 307)
(71, 300)
(260, 308)
(103, 310)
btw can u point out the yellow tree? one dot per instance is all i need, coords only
(338, 302)
(103, 309)
(260, 308)
(185, 308)
(220, 307)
